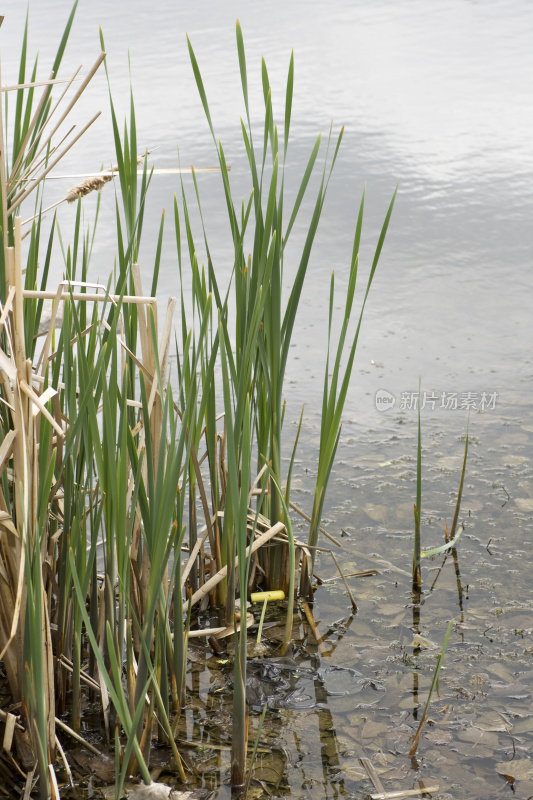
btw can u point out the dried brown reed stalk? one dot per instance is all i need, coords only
(24, 550)
(18, 535)
(22, 171)
(260, 541)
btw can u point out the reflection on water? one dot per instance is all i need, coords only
(436, 97)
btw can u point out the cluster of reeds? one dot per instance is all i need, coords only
(108, 474)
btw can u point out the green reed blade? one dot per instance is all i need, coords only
(242, 68)
(288, 105)
(303, 187)
(17, 135)
(269, 133)
(157, 260)
(287, 493)
(460, 491)
(64, 39)
(295, 294)
(454, 532)
(417, 576)
(334, 396)
(292, 566)
(114, 681)
(160, 702)
(129, 723)
(434, 684)
(200, 86)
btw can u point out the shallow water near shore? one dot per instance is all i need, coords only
(360, 692)
(480, 725)
(432, 99)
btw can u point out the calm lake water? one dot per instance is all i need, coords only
(437, 99)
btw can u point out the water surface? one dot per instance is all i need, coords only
(435, 98)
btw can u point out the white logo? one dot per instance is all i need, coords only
(384, 400)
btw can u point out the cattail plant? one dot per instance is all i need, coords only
(263, 272)
(109, 469)
(32, 430)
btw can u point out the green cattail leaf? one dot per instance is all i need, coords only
(288, 104)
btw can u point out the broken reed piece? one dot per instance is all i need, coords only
(308, 519)
(365, 573)
(312, 624)
(346, 586)
(221, 574)
(405, 793)
(89, 297)
(372, 774)
(222, 632)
